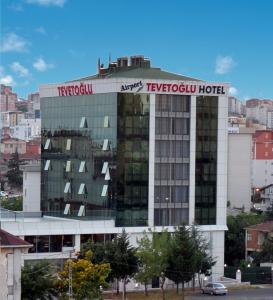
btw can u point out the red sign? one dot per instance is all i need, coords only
(75, 89)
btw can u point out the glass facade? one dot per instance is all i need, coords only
(172, 154)
(79, 144)
(132, 159)
(206, 159)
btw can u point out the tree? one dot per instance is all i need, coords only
(122, 258)
(269, 213)
(235, 236)
(14, 173)
(87, 278)
(152, 254)
(38, 282)
(266, 255)
(181, 257)
(14, 204)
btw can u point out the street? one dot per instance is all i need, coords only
(265, 293)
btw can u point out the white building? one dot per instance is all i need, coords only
(239, 168)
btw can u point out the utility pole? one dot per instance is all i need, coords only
(70, 290)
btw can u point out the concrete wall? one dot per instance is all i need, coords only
(239, 170)
(31, 191)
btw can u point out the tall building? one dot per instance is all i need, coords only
(262, 167)
(7, 98)
(139, 147)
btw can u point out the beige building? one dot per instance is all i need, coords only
(11, 249)
(239, 168)
(10, 146)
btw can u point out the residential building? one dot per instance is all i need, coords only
(235, 107)
(7, 98)
(263, 197)
(239, 168)
(131, 147)
(262, 166)
(256, 110)
(11, 250)
(255, 236)
(10, 146)
(34, 106)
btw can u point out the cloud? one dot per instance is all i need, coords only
(224, 64)
(1, 71)
(41, 66)
(7, 80)
(233, 91)
(59, 3)
(41, 30)
(16, 7)
(11, 42)
(19, 70)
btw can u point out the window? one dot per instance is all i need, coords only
(82, 167)
(67, 188)
(249, 237)
(107, 175)
(68, 166)
(83, 123)
(47, 144)
(67, 209)
(104, 167)
(68, 144)
(104, 190)
(81, 211)
(47, 165)
(105, 145)
(106, 122)
(82, 189)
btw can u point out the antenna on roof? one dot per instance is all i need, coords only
(109, 58)
(98, 65)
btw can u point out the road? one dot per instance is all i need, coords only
(265, 293)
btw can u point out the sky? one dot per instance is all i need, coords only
(52, 41)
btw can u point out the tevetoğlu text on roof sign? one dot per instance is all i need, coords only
(75, 89)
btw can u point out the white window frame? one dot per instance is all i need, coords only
(47, 144)
(107, 175)
(68, 166)
(105, 145)
(68, 144)
(106, 122)
(81, 190)
(67, 188)
(67, 209)
(83, 123)
(82, 167)
(81, 211)
(47, 165)
(104, 190)
(104, 167)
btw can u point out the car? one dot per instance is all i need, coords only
(3, 194)
(214, 289)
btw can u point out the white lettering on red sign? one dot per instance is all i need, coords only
(75, 89)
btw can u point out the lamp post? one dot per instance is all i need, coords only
(167, 200)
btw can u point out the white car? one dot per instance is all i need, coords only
(3, 194)
(214, 289)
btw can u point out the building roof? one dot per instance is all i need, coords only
(265, 227)
(142, 73)
(8, 240)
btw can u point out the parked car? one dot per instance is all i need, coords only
(214, 289)
(3, 194)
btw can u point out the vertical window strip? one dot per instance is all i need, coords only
(68, 144)
(105, 145)
(107, 175)
(83, 123)
(67, 209)
(82, 189)
(82, 167)
(106, 122)
(104, 190)
(47, 165)
(68, 166)
(67, 188)
(104, 167)
(81, 211)
(47, 144)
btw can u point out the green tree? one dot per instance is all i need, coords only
(152, 254)
(14, 174)
(38, 282)
(86, 278)
(235, 236)
(266, 255)
(122, 258)
(14, 204)
(181, 257)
